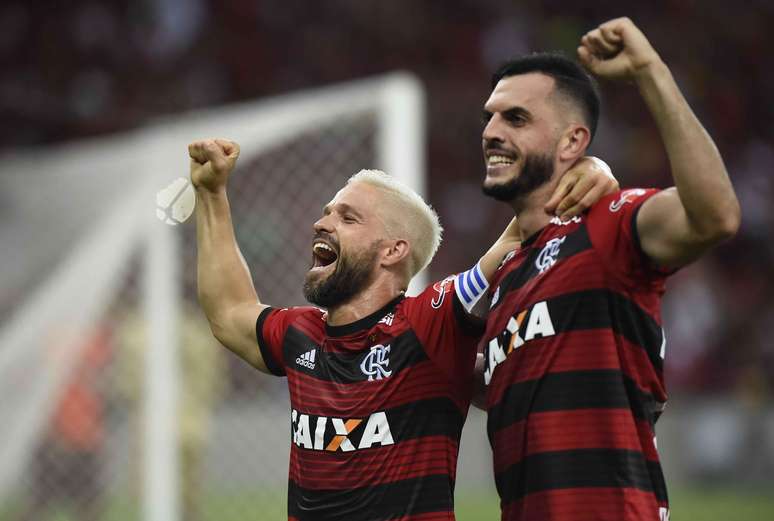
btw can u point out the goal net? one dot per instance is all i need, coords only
(115, 401)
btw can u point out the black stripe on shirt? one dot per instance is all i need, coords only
(373, 503)
(603, 309)
(599, 389)
(344, 367)
(574, 243)
(606, 468)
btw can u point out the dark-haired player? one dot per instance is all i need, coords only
(573, 348)
(379, 382)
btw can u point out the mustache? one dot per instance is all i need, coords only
(325, 236)
(496, 144)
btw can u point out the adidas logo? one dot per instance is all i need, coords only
(307, 359)
(387, 319)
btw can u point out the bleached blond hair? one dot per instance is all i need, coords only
(407, 216)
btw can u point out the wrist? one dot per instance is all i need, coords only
(652, 71)
(209, 192)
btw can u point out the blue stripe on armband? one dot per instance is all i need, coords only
(470, 286)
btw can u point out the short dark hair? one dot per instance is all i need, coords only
(571, 79)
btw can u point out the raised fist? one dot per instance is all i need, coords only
(212, 160)
(617, 49)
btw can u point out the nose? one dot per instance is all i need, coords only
(493, 130)
(323, 224)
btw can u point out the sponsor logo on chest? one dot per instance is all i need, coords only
(522, 327)
(340, 434)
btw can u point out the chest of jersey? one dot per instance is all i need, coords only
(542, 291)
(368, 390)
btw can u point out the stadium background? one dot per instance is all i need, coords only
(84, 69)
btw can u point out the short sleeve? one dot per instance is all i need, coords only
(612, 226)
(448, 333)
(270, 330)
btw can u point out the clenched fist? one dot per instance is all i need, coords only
(212, 160)
(617, 49)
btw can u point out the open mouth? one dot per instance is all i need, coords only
(323, 255)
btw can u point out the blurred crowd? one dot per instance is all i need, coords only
(89, 67)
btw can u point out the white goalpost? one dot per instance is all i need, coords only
(108, 254)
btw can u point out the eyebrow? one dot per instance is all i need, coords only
(509, 113)
(342, 208)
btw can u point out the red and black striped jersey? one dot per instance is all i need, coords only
(377, 406)
(574, 350)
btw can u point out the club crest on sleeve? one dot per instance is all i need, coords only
(441, 288)
(627, 196)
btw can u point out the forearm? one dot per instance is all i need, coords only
(473, 284)
(508, 241)
(699, 174)
(224, 279)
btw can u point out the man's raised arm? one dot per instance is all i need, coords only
(677, 225)
(226, 291)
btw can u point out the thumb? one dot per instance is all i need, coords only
(230, 148)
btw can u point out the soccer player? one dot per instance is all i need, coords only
(379, 383)
(573, 348)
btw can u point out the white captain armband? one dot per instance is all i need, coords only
(470, 287)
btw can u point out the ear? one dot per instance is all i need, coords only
(394, 251)
(573, 143)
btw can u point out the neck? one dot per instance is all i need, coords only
(372, 298)
(530, 208)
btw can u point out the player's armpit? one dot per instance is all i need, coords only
(667, 235)
(235, 329)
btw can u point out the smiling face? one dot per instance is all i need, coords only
(521, 134)
(346, 248)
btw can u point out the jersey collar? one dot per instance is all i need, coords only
(366, 322)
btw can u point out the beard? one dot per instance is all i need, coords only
(352, 274)
(536, 172)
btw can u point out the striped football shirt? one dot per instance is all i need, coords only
(574, 356)
(377, 406)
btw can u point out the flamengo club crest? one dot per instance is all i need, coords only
(547, 256)
(374, 365)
